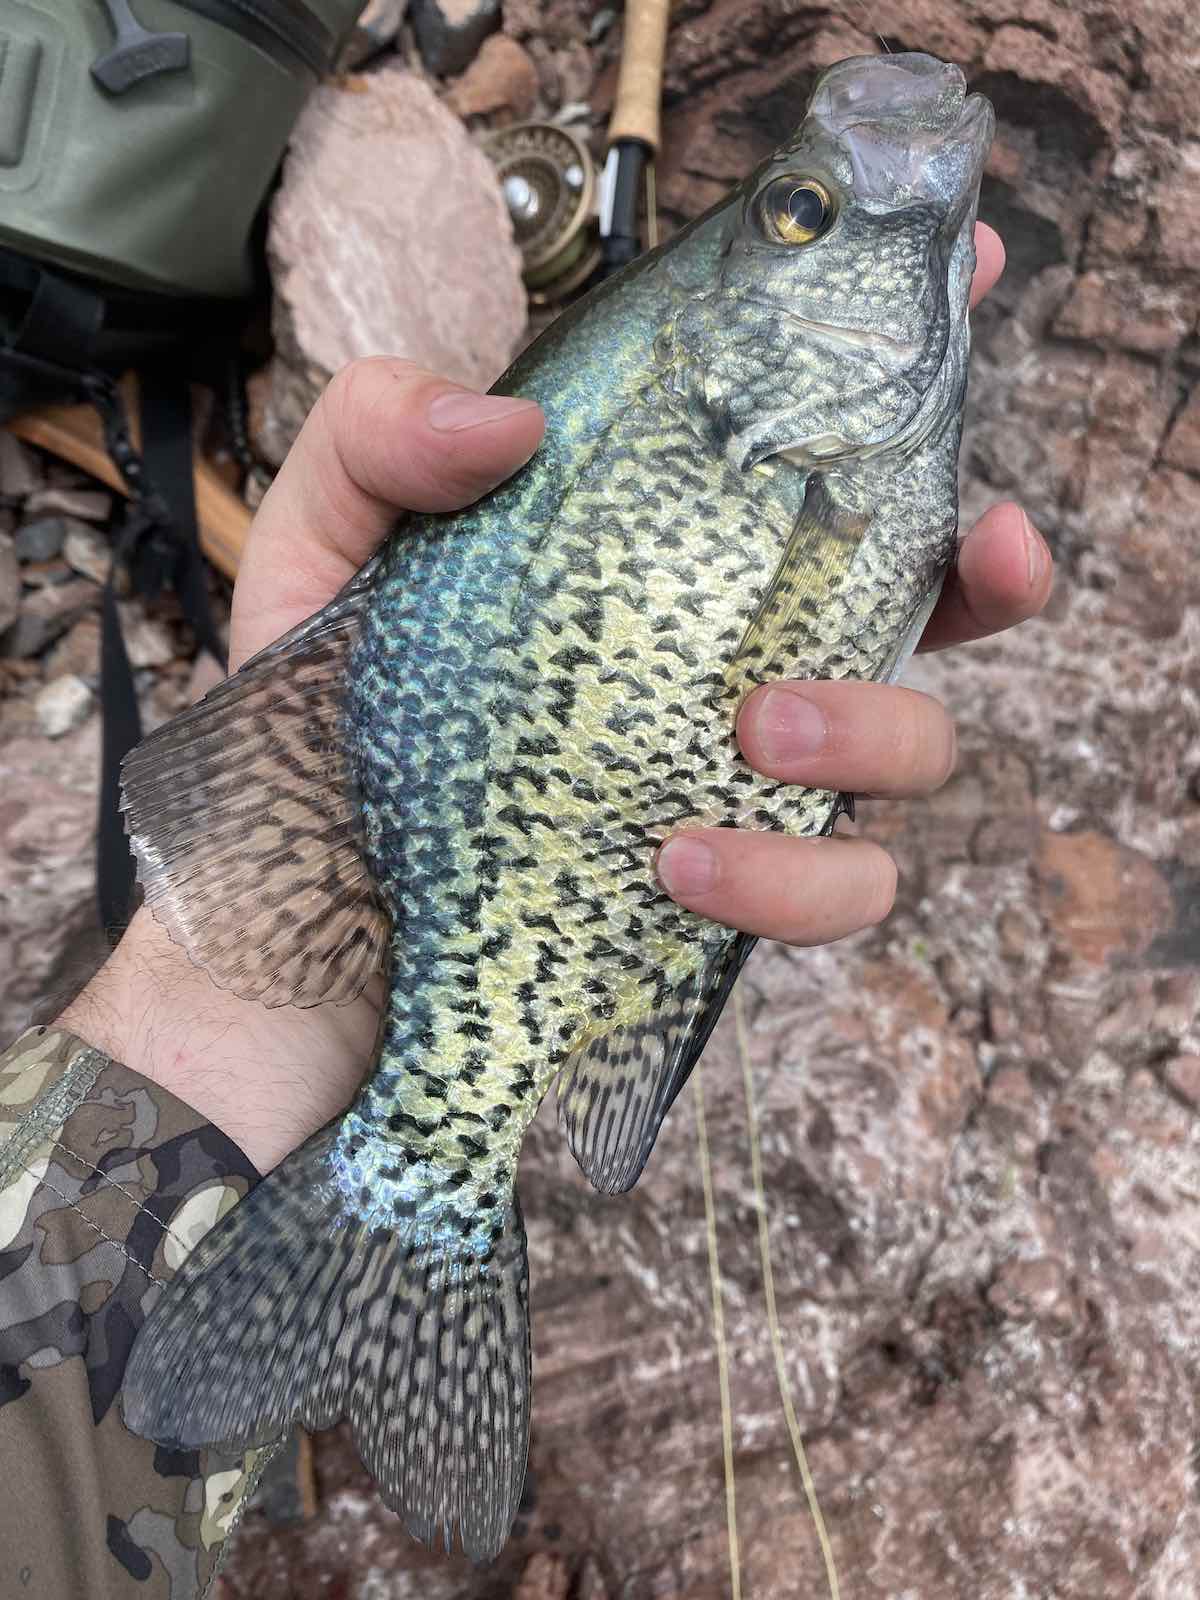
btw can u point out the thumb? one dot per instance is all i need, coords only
(385, 436)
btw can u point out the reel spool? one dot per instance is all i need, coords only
(549, 184)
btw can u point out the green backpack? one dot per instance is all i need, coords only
(138, 140)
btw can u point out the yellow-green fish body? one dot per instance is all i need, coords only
(468, 761)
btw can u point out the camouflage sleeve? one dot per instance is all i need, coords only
(106, 1183)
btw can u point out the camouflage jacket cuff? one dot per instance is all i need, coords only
(106, 1182)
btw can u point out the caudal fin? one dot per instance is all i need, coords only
(293, 1309)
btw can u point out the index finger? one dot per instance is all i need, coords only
(384, 436)
(989, 261)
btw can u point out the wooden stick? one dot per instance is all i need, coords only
(76, 435)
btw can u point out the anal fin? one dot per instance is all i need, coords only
(614, 1094)
(241, 816)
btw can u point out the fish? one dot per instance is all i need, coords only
(461, 769)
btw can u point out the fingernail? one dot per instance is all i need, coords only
(1035, 553)
(687, 867)
(787, 726)
(456, 409)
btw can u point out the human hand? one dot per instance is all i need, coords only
(385, 436)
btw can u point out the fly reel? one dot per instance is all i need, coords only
(549, 185)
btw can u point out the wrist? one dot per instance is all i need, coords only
(266, 1078)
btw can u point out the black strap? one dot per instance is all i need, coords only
(167, 457)
(120, 730)
(62, 321)
(160, 548)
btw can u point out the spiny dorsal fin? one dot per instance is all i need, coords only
(241, 817)
(615, 1092)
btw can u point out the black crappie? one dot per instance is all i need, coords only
(467, 760)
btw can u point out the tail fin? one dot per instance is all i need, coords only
(293, 1309)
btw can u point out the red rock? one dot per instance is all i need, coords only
(1157, 545)
(1040, 64)
(1124, 312)
(44, 574)
(545, 1578)
(87, 551)
(64, 703)
(1035, 1290)
(381, 188)
(47, 860)
(501, 78)
(1101, 899)
(93, 505)
(1182, 447)
(21, 470)
(1183, 1074)
(77, 652)
(1176, 205)
(46, 613)
(591, 1584)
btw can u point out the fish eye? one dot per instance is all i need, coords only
(795, 210)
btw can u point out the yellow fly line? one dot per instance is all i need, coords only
(718, 1310)
(764, 1250)
(714, 1276)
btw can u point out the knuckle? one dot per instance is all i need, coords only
(922, 743)
(357, 388)
(885, 879)
(343, 393)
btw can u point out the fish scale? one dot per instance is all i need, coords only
(465, 765)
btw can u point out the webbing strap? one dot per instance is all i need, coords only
(159, 547)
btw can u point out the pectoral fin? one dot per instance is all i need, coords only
(814, 564)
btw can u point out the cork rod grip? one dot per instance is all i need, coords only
(639, 85)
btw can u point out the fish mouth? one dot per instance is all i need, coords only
(907, 126)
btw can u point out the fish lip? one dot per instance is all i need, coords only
(905, 124)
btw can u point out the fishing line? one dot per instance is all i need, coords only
(865, 13)
(764, 1250)
(714, 1276)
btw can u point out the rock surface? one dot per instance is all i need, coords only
(62, 705)
(389, 236)
(502, 77)
(41, 539)
(10, 583)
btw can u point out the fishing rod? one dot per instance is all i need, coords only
(550, 184)
(634, 133)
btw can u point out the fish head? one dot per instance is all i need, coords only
(835, 324)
